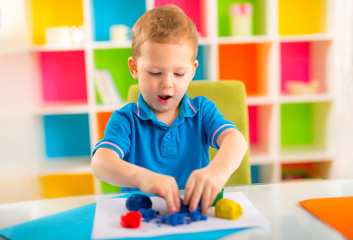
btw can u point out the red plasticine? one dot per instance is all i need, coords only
(131, 219)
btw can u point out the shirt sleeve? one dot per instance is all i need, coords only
(213, 123)
(117, 135)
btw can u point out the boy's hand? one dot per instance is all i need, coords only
(204, 184)
(163, 186)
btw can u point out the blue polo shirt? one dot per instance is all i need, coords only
(139, 138)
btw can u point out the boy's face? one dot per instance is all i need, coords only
(164, 71)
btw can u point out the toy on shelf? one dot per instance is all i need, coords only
(299, 87)
(106, 87)
(226, 208)
(119, 33)
(241, 15)
(64, 36)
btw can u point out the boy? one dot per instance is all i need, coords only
(160, 143)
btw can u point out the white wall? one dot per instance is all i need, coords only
(343, 122)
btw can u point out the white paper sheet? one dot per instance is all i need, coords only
(107, 219)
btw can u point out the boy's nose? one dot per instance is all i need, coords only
(167, 82)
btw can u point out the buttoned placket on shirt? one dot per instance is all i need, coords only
(168, 147)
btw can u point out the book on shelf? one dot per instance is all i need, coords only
(106, 87)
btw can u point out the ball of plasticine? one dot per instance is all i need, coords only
(131, 219)
(138, 201)
(226, 208)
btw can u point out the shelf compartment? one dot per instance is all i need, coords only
(109, 13)
(262, 173)
(63, 76)
(247, 63)
(202, 57)
(304, 128)
(259, 18)
(302, 17)
(305, 170)
(194, 9)
(304, 62)
(115, 60)
(52, 13)
(102, 120)
(66, 135)
(259, 121)
(66, 185)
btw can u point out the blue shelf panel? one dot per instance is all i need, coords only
(255, 173)
(110, 12)
(202, 58)
(66, 135)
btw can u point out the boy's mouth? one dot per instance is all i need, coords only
(164, 98)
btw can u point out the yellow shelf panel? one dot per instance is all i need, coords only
(53, 13)
(301, 17)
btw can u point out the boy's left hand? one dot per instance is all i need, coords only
(204, 184)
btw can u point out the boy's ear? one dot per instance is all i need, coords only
(132, 67)
(196, 64)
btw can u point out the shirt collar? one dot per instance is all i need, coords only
(144, 112)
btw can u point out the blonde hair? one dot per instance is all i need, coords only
(165, 24)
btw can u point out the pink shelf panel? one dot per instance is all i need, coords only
(194, 9)
(305, 64)
(295, 63)
(253, 130)
(259, 121)
(63, 76)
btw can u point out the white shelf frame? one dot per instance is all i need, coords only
(273, 97)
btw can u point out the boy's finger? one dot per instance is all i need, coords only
(170, 203)
(205, 200)
(195, 197)
(176, 197)
(213, 197)
(189, 188)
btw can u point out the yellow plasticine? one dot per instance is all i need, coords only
(226, 208)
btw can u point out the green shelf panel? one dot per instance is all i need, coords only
(115, 60)
(296, 124)
(259, 18)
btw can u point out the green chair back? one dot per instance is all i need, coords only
(230, 99)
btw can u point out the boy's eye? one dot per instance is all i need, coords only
(179, 74)
(155, 73)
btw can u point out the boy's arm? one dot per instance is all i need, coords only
(107, 166)
(207, 182)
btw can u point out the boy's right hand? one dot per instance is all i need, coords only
(163, 186)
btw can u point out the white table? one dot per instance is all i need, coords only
(277, 202)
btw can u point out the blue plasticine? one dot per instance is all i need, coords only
(164, 219)
(143, 204)
(148, 214)
(185, 208)
(138, 201)
(195, 216)
(182, 218)
(175, 219)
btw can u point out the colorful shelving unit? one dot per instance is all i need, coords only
(291, 46)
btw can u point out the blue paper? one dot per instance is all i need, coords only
(77, 223)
